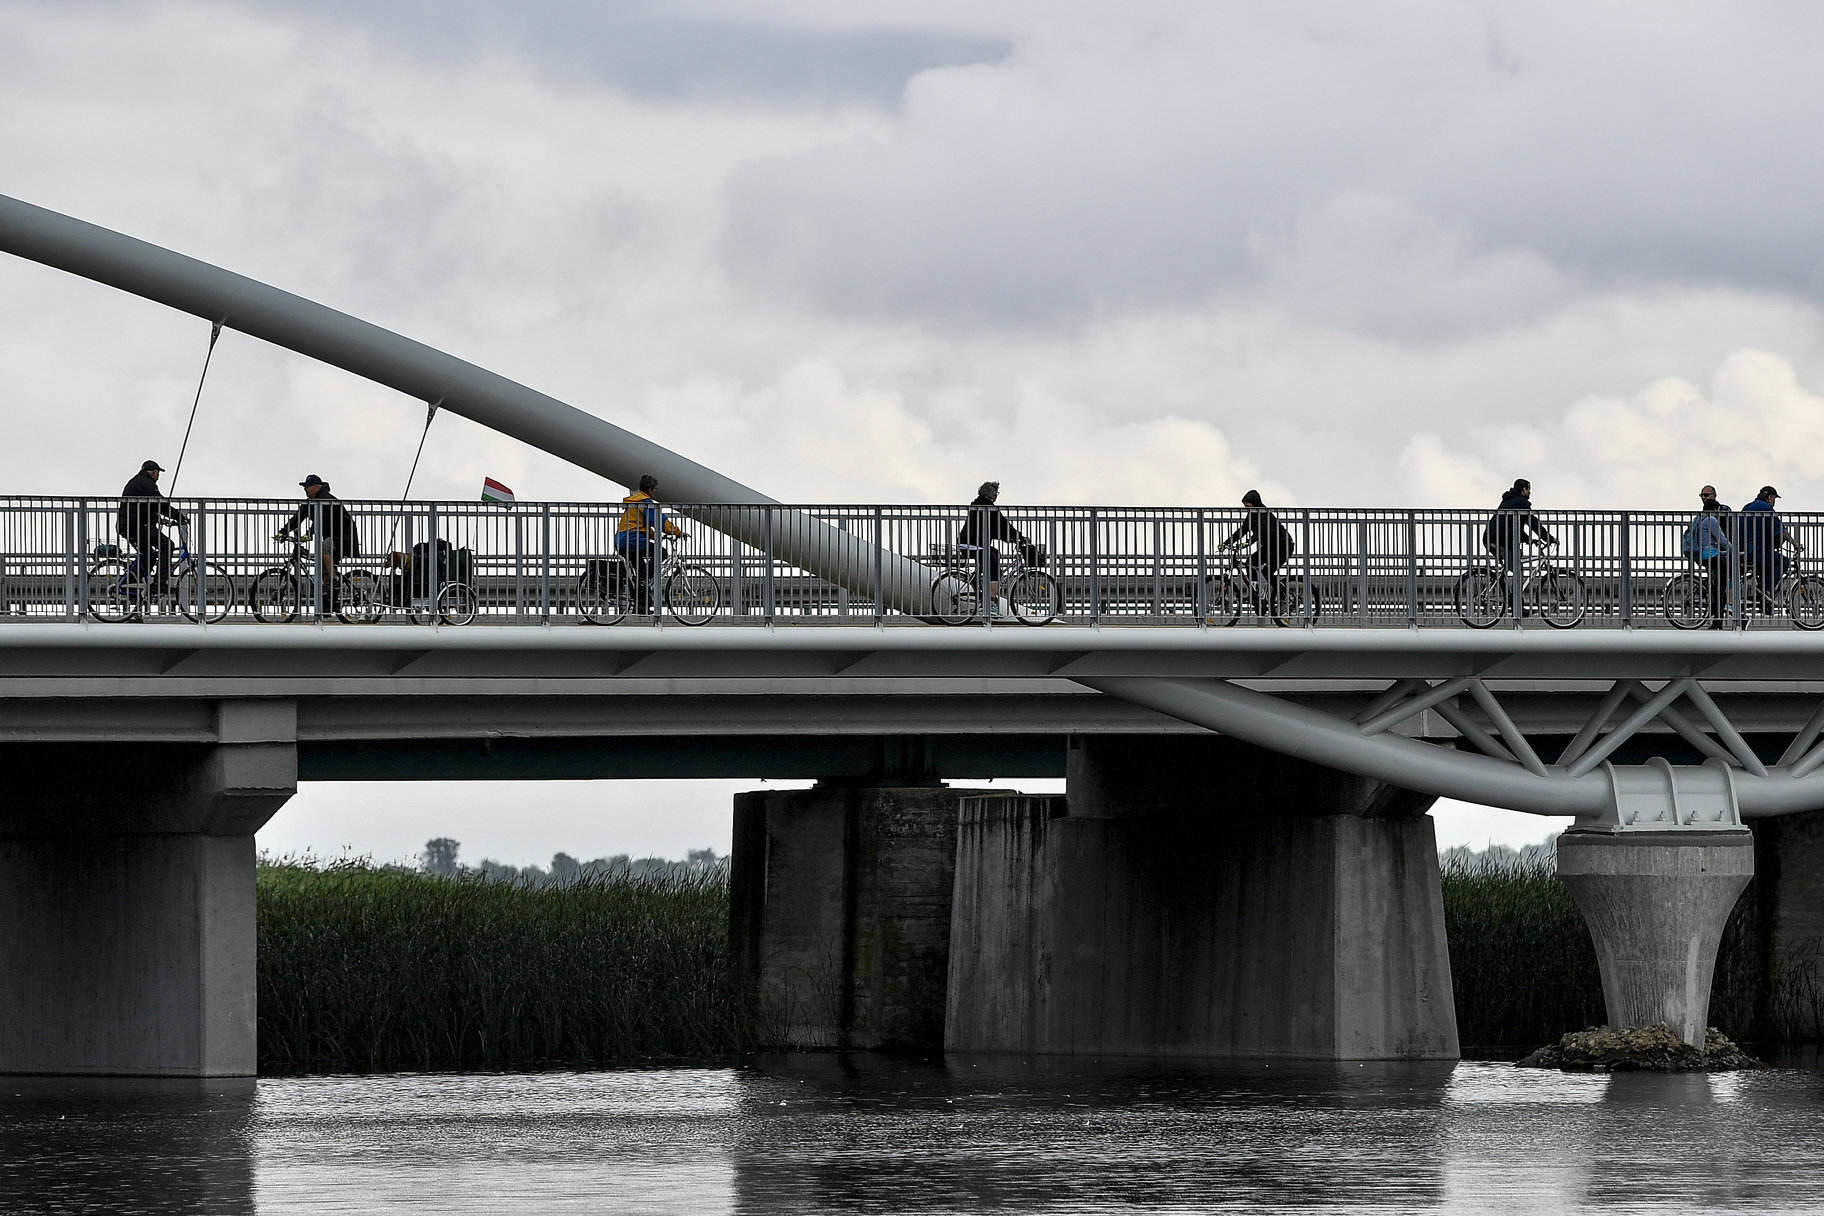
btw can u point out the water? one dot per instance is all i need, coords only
(819, 1134)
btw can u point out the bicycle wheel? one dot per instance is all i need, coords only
(113, 597)
(1034, 597)
(955, 598)
(457, 604)
(691, 595)
(603, 601)
(1481, 597)
(217, 593)
(357, 597)
(276, 596)
(1222, 600)
(1687, 601)
(1558, 596)
(1289, 605)
(1806, 602)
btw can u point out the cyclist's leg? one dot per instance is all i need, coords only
(1259, 579)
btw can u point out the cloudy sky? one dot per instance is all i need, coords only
(1156, 253)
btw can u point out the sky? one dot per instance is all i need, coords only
(1154, 253)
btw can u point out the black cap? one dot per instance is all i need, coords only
(1769, 492)
(151, 466)
(312, 480)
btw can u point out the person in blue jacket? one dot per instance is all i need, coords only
(1763, 534)
(1709, 545)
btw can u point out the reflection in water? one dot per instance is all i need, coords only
(822, 1133)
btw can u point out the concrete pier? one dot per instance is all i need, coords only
(127, 930)
(1656, 904)
(840, 912)
(1200, 898)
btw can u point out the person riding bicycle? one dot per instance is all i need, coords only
(1763, 534)
(638, 540)
(334, 527)
(142, 510)
(1507, 531)
(984, 525)
(1271, 540)
(1707, 543)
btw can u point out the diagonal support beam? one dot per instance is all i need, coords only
(1424, 701)
(1725, 730)
(1808, 735)
(1516, 742)
(1394, 694)
(1611, 701)
(1630, 725)
(1473, 730)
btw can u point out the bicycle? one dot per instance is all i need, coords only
(281, 592)
(1276, 597)
(1687, 597)
(454, 600)
(606, 591)
(1031, 593)
(118, 590)
(1553, 593)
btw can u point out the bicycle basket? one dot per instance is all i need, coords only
(107, 550)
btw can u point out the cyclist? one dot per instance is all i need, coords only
(1271, 540)
(981, 528)
(638, 540)
(1708, 544)
(1508, 528)
(335, 530)
(1762, 534)
(142, 510)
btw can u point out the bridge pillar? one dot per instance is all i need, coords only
(1789, 868)
(1656, 904)
(840, 912)
(1200, 897)
(127, 899)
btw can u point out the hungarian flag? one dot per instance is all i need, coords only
(493, 491)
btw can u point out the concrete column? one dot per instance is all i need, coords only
(840, 912)
(1656, 904)
(1789, 889)
(127, 927)
(1196, 897)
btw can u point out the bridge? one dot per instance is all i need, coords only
(1241, 863)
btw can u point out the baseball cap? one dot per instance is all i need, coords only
(151, 466)
(1769, 492)
(312, 480)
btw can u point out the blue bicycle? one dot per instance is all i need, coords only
(120, 591)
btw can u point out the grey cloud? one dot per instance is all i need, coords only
(648, 51)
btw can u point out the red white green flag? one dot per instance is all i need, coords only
(493, 491)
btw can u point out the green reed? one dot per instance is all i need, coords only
(1524, 969)
(369, 969)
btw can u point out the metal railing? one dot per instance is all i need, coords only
(534, 563)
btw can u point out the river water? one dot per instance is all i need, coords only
(810, 1134)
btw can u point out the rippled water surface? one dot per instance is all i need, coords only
(820, 1134)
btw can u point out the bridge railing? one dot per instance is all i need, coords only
(1159, 566)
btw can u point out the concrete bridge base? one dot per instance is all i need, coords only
(1656, 904)
(1200, 898)
(127, 900)
(840, 912)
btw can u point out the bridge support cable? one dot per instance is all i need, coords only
(427, 374)
(215, 332)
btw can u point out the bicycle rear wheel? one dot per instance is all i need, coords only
(217, 593)
(1559, 597)
(1481, 597)
(1806, 602)
(603, 601)
(1687, 601)
(113, 596)
(1034, 597)
(955, 598)
(276, 596)
(692, 595)
(457, 604)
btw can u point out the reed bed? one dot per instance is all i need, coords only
(1524, 968)
(368, 969)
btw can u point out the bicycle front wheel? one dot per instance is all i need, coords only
(1481, 597)
(691, 595)
(1558, 596)
(113, 595)
(211, 601)
(1806, 602)
(457, 604)
(603, 601)
(276, 596)
(954, 597)
(1687, 601)
(1222, 599)
(1034, 597)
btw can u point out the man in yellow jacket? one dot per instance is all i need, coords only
(637, 538)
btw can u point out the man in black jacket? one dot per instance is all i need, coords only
(142, 510)
(981, 528)
(334, 526)
(1272, 543)
(1508, 527)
